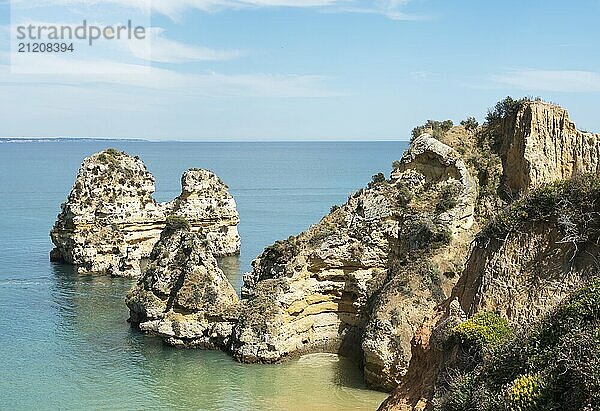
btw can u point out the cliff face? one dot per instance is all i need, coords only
(544, 145)
(527, 259)
(351, 283)
(184, 296)
(110, 220)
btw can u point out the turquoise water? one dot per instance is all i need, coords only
(64, 340)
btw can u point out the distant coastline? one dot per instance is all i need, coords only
(61, 139)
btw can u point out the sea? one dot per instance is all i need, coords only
(65, 342)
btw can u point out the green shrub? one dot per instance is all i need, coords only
(525, 393)
(424, 234)
(484, 329)
(552, 364)
(113, 152)
(378, 178)
(470, 123)
(176, 222)
(459, 396)
(437, 129)
(404, 196)
(572, 204)
(448, 198)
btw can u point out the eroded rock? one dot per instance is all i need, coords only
(543, 145)
(184, 296)
(111, 220)
(352, 283)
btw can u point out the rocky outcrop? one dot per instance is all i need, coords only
(528, 259)
(542, 145)
(351, 284)
(110, 220)
(207, 205)
(390, 274)
(184, 296)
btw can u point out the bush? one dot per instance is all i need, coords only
(552, 364)
(113, 152)
(176, 222)
(460, 394)
(525, 393)
(425, 234)
(437, 129)
(470, 124)
(572, 204)
(484, 330)
(378, 178)
(404, 196)
(448, 198)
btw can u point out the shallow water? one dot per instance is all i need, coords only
(64, 340)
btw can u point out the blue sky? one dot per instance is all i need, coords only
(306, 70)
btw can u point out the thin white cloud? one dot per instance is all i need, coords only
(550, 80)
(175, 9)
(138, 78)
(162, 50)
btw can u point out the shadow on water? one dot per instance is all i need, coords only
(231, 266)
(104, 358)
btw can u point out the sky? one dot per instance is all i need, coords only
(253, 70)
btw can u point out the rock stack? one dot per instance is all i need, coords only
(183, 295)
(111, 221)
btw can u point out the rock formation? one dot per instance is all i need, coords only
(206, 204)
(390, 276)
(543, 145)
(111, 221)
(183, 295)
(527, 259)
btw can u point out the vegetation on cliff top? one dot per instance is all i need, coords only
(574, 205)
(437, 129)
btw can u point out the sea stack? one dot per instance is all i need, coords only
(183, 295)
(111, 221)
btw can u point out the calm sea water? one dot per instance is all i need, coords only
(64, 340)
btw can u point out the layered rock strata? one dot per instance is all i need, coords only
(183, 295)
(542, 145)
(351, 284)
(377, 277)
(110, 221)
(529, 258)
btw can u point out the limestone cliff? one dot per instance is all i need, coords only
(110, 220)
(542, 144)
(528, 258)
(183, 295)
(390, 274)
(363, 279)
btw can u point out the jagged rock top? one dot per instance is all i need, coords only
(204, 198)
(109, 184)
(184, 296)
(184, 274)
(111, 221)
(439, 163)
(544, 145)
